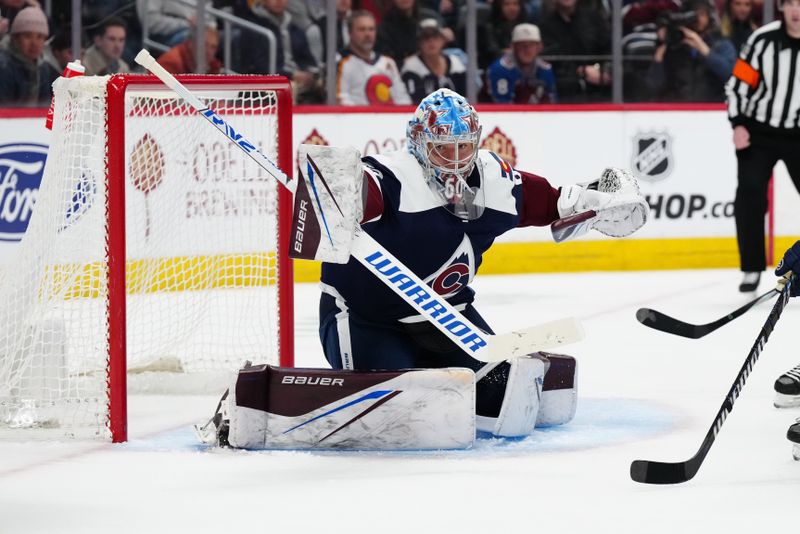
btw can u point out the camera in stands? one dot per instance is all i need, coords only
(673, 22)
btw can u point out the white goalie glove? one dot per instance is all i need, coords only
(618, 205)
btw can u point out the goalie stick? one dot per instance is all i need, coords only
(381, 263)
(653, 472)
(573, 226)
(663, 322)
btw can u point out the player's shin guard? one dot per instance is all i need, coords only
(284, 408)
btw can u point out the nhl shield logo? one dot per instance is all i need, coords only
(652, 156)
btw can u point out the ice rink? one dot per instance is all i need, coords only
(643, 395)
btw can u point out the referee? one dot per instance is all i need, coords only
(764, 109)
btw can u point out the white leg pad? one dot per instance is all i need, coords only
(560, 391)
(520, 409)
(284, 408)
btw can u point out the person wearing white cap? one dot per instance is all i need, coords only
(26, 79)
(519, 76)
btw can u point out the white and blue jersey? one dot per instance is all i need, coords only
(407, 218)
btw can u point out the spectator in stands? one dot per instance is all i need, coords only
(519, 76)
(305, 12)
(573, 29)
(96, 12)
(493, 32)
(431, 68)
(376, 7)
(738, 21)
(105, 55)
(180, 59)
(641, 15)
(317, 33)
(168, 22)
(365, 77)
(505, 16)
(59, 52)
(397, 33)
(692, 63)
(446, 9)
(294, 57)
(9, 10)
(26, 79)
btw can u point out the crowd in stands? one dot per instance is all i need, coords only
(396, 51)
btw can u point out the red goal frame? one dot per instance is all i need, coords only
(118, 85)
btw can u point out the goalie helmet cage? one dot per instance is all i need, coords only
(156, 245)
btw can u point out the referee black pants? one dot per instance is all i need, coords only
(755, 164)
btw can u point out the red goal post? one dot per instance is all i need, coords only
(156, 250)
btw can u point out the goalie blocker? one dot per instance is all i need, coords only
(284, 408)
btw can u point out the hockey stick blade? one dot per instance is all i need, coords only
(536, 338)
(652, 472)
(664, 323)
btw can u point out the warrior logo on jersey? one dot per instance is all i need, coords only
(652, 156)
(457, 272)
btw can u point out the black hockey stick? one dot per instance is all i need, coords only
(665, 323)
(651, 472)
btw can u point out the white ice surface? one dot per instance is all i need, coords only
(643, 394)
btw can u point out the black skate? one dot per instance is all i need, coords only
(750, 282)
(794, 436)
(787, 389)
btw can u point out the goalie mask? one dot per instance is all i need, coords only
(443, 135)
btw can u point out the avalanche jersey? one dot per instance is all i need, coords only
(508, 84)
(440, 248)
(374, 82)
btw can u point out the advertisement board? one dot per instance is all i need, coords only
(682, 155)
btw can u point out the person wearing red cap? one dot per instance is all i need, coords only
(26, 79)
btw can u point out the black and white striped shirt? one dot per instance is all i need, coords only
(764, 90)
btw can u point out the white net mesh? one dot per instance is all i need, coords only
(201, 237)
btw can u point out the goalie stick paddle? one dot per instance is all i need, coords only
(653, 472)
(573, 226)
(381, 263)
(663, 322)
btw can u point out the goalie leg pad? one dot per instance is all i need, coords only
(520, 404)
(559, 391)
(284, 408)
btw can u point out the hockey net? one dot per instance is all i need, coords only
(153, 248)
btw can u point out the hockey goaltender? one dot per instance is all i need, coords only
(401, 236)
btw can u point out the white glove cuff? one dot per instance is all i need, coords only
(568, 200)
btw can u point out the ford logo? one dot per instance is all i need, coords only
(21, 168)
